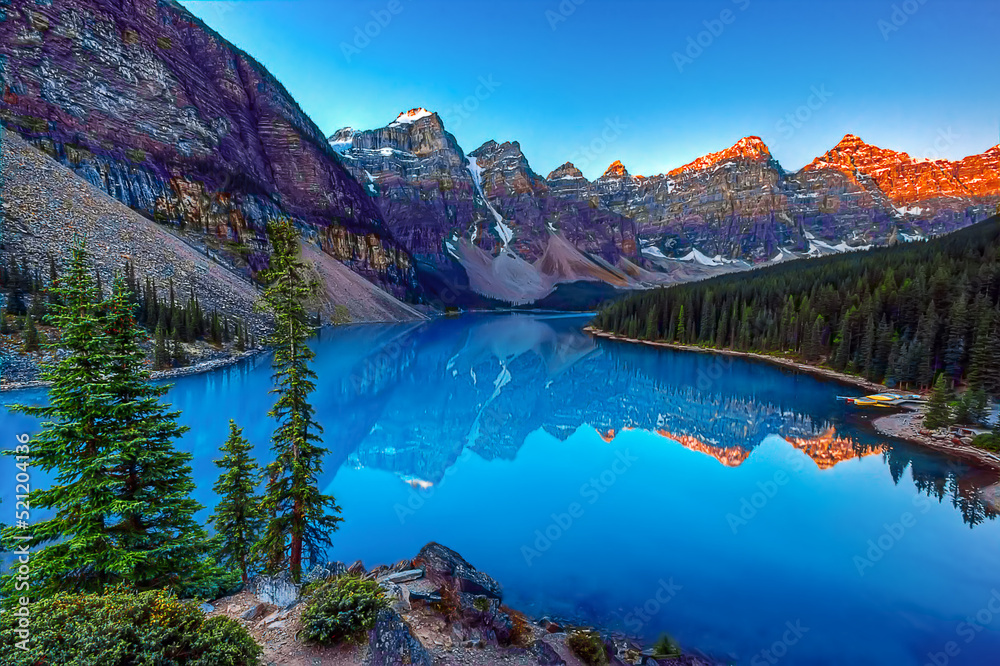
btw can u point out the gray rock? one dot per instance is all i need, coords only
(255, 612)
(404, 576)
(391, 643)
(547, 656)
(443, 565)
(277, 591)
(324, 571)
(207, 608)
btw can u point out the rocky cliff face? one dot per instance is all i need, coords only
(740, 204)
(933, 196)
(484, 223)
(146, 102)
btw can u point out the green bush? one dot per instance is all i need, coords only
(666, 648)
(124, 628)
(341, 610)
(987, 441)
(588, 647)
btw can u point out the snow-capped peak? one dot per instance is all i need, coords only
(411, 116)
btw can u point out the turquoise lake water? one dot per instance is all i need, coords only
(738, 506)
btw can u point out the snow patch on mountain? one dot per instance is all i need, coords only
(696, 256)
(505, 233)
(410, 117)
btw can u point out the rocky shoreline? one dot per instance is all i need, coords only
(900, 425)
(157, 375)
(443, 611)
(907, 425)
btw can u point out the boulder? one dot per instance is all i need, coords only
(547, 656)
(378, 571)
(357, 569)
(324, 571)
(275, 590)
(256, 612)
(391, 643)
(404, 576)
(443, 566)
(402, 565)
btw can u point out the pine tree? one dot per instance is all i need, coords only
(843, 353)
(151, 516)
(866, 352)
(301, 519)
(71, 445)
(119, 505)
(938, 408)
(161, 358)
(177, 356)
(30, 334)
(972, 408)
(238, 518)
(241, 345)
(651, 321)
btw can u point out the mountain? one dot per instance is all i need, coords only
(143, 100)
(938, 191)
(484, 228)
(46, 207)
(485, 223)
(740, 203)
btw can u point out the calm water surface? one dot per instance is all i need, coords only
(722, 501)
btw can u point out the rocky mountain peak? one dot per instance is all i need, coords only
(853, 153)
(412, 116)
(907, 180)
(567, 171)
(616, 170)
(747, 149)
(342, 139)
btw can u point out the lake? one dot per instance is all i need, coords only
(734, 504)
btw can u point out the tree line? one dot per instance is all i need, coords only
(173, 320)
(903, 315)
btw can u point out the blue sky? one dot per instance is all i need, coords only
(652, 83)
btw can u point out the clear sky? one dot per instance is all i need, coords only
(653, 83)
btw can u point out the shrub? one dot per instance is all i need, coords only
(125, 628)
(520, 630)
(987, 441)
(666, 648)
(450, 605)
(341, 610)
(588, 647)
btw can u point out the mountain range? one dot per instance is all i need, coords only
(145, 102)
(485, 222)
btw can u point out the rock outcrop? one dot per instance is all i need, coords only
(444, 611)
(149, 104)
